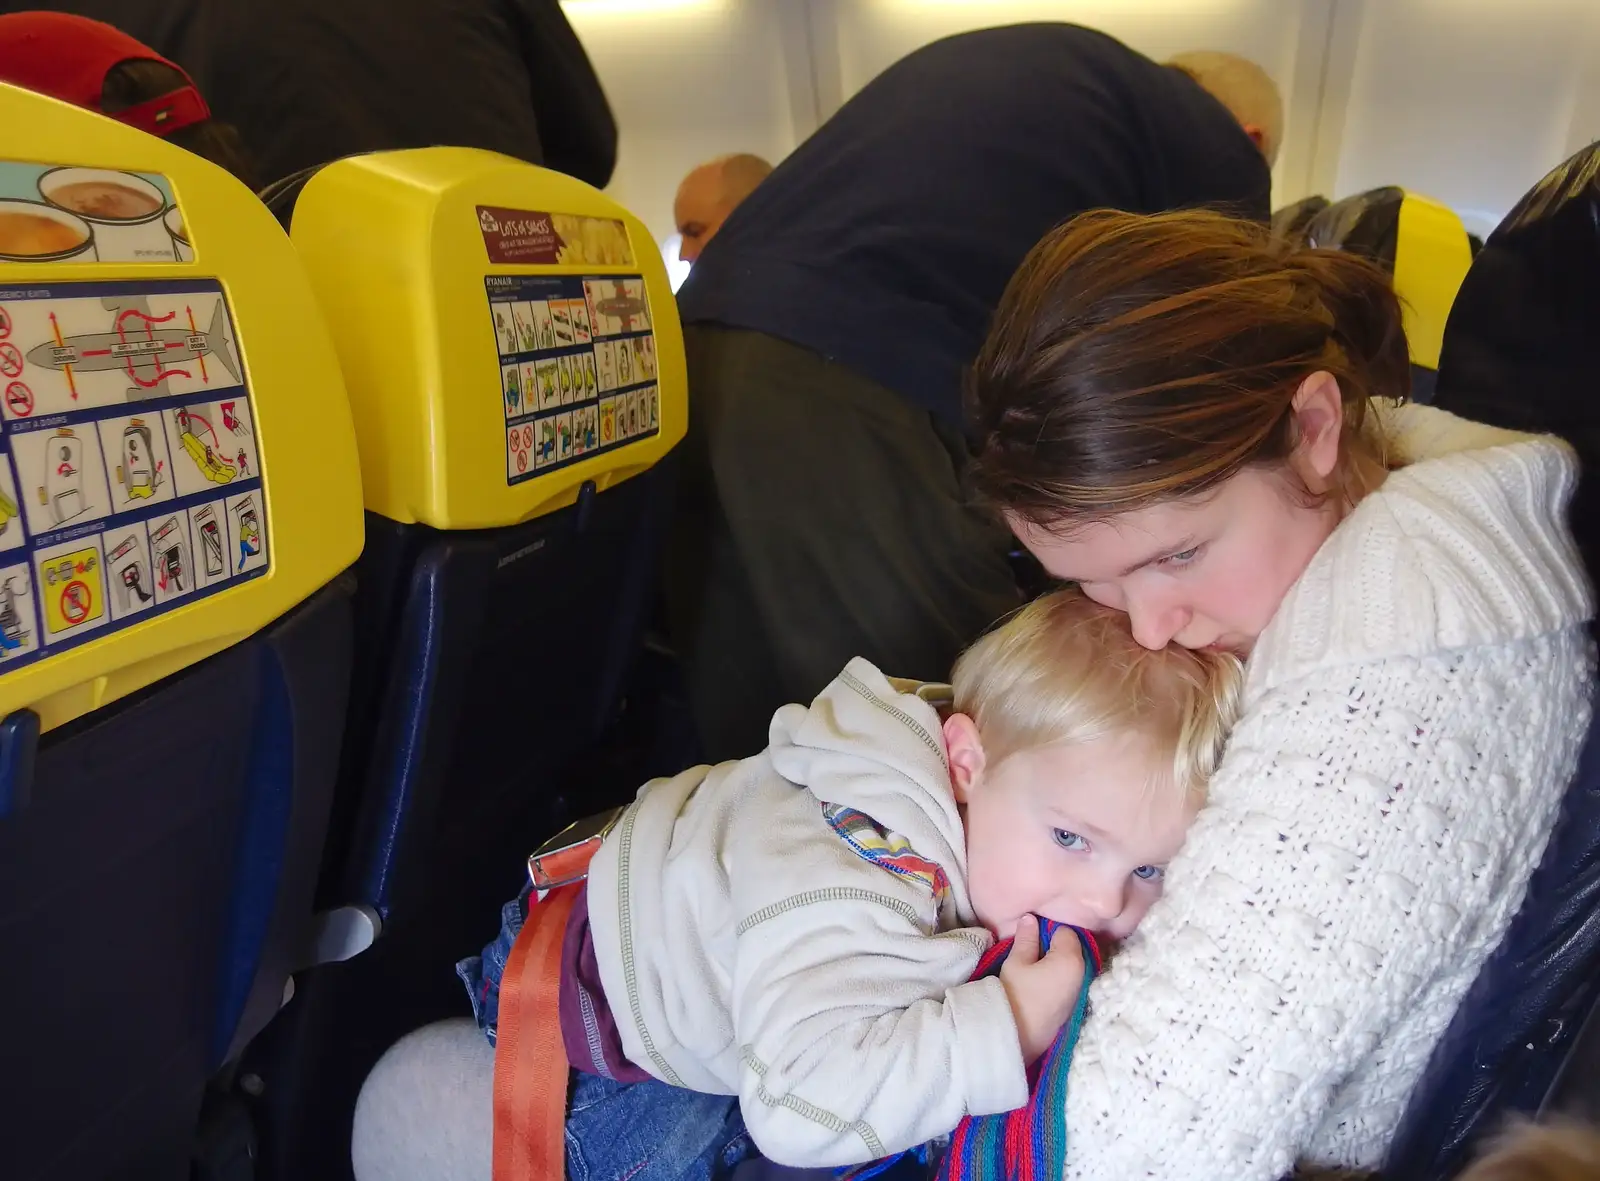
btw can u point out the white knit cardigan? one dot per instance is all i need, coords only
(1413, 715)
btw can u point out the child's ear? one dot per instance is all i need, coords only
(965, 748)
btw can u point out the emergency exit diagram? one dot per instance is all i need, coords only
(139, 486)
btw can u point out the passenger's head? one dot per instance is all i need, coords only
(93, 65)
(1245, 89)
(1563, 1151)
(1172, 412)
(1079, 758)
(709, 194)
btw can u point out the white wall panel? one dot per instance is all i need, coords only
(1583, 128)
(687, 81)
(1469, 101)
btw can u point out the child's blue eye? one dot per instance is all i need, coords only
(1182, 557)
(1150, 873)
(1067, 840)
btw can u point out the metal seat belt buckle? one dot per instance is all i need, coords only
(564, 858)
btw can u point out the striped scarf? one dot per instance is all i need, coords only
(1030, 1143)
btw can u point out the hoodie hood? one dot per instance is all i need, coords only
(865, 744)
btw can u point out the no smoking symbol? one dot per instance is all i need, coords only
(19, 399)
(75, 601)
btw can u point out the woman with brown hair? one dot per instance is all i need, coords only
(1203, 427)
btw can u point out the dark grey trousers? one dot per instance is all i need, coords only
(822, 517)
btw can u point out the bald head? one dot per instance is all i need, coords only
(711, 192)
(1244, 88)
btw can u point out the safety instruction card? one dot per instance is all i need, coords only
(577, 367)
(131, 481)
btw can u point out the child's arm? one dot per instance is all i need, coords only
(861, 1034)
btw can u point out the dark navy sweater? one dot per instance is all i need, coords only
(885, 240)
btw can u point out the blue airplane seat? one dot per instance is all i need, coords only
(1520, 351)
(304, 683)
(179, 502)
(516, 369)
(117, 857)
(157, 862)
(472, 708)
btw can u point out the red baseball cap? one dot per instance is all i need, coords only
(68, 57)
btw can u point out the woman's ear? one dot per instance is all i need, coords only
(1319, 429)
(965, 749)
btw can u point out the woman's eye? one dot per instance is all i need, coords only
(1150, 873)
(1068, 840)
(1182, 558)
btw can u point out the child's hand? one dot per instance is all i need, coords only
(1043, 992)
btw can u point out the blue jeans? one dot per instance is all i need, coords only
(652, 1132)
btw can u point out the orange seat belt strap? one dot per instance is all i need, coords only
(530, 1059)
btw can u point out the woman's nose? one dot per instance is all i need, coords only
(1154, 624)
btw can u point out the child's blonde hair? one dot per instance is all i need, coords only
(1560, 1151)
(1064, 669)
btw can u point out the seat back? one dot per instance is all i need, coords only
(516, 367)
(1520, 351)
(517, 374)
(167, 632)
(1291, 220)
(1422, 244)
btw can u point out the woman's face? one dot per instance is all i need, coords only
(1211, 571)
(1208, 572)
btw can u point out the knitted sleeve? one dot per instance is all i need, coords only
(1367, 839)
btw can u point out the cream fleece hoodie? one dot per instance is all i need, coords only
(746, 949)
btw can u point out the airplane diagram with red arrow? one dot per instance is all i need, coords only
(76, 352)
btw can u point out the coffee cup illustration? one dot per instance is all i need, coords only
(34, 232)
(124, 210)
(179, 233)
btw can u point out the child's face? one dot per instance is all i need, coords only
(1074, 833)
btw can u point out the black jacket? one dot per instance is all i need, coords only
(885, 240)
(308, 81)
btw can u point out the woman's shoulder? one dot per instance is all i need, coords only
(1465, 545)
